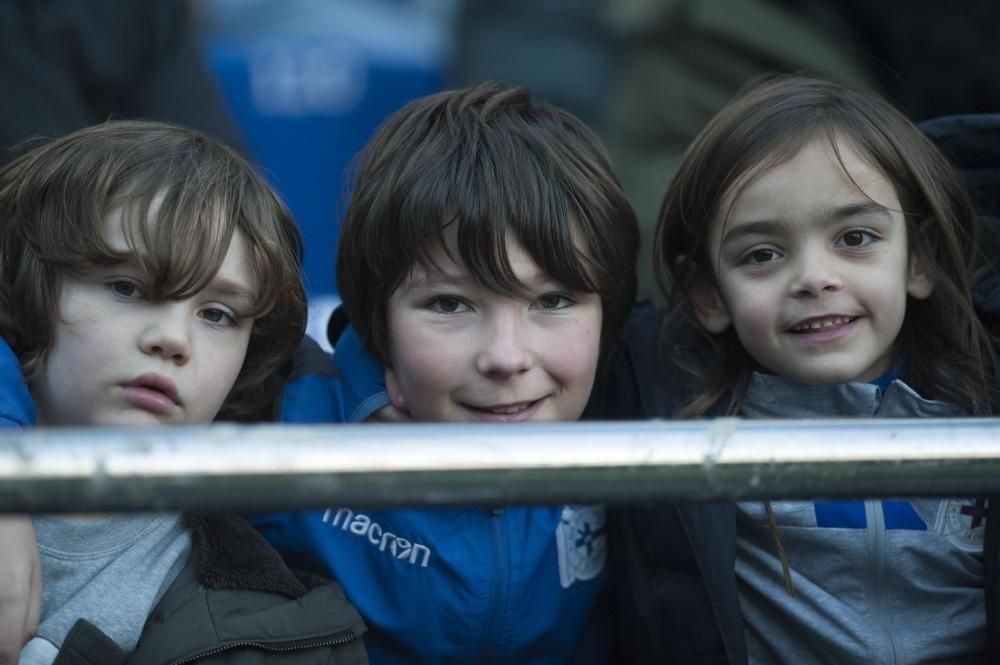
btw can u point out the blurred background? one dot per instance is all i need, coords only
(302, 84)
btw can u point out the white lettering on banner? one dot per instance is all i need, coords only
(362, 525)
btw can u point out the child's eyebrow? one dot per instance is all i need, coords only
(756, 228)
(858, 210)
(439, 278)
(232, 291)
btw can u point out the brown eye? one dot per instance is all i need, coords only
(553, 301)
(854, 238)
(762, 255)
(857, 238)
(447, 305)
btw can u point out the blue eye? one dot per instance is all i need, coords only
(218, 316)
(125, 288)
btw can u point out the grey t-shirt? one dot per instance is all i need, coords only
(111, 572)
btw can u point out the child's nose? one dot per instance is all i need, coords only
(168, 334)
(816, 274)
(505, 350)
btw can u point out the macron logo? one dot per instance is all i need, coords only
(361, 525)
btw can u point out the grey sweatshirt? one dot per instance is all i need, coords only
(893, 582)
(111, 573)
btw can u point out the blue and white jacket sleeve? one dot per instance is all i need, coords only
(16, 407)
(362, 376)
(347, 387)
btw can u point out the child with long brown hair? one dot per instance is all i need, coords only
(819, 253)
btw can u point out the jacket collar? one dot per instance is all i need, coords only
(772, 396)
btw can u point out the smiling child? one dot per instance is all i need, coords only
(820, 254)
(487, 260)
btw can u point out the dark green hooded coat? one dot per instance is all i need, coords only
(234, 602)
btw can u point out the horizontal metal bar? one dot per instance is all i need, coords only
(229, 467)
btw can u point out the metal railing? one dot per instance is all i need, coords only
(229, 467)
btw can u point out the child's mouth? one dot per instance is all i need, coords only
(506, 412)
(151, 392)
(509, 409)
(821, 323)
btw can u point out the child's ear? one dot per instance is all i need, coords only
(709, 308)
(392, 387)
(920, 283)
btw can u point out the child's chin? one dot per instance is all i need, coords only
(130, 418)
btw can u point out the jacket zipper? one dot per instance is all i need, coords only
(342, 637)
(879, 544)
(498, 596)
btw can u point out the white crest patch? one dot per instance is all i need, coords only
(961, 521)
(582, 542)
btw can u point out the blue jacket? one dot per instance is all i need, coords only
(448, 585)
(460, 585)
(16, 407)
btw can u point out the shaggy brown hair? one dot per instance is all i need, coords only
(54, 203)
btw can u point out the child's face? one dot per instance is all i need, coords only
(462, 353)
(119, 359)
(812, 268)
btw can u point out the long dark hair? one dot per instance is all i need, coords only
(949, 354)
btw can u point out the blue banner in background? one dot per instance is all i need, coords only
(308, 92)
